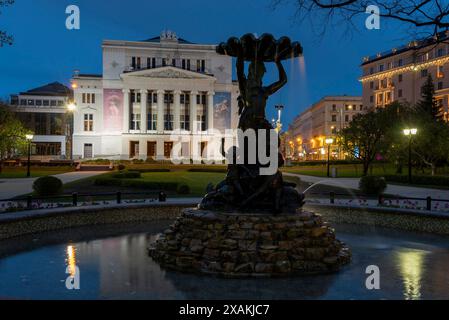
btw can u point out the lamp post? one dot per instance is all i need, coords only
(329, 141)
(29, 138)
(71, 107)
(279, 109)
(410, 133)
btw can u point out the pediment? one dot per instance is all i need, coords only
(167, 73)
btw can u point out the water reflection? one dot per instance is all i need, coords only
(412, 266)
(411, 269)
(71, 260)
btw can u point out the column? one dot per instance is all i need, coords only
(160, 111)
(143, 111)
(126, 110)
(210, 111)
(177, 111)
(160, 149)
(193, 109)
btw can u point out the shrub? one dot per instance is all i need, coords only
(210, 187)
(183, 189)
(372, 185)
(121, 167)
(127, 175)
(420, 180)
(47, 186)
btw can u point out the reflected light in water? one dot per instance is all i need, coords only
(71, 260)
(411, 268)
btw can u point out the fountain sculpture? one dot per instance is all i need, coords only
(252, 224)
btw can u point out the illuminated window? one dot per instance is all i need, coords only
(88, 122)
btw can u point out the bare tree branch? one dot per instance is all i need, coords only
(4, 37)
(429, 15)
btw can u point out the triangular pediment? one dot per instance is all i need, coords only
(168, 72)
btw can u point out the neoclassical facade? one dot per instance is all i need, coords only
(150, 93)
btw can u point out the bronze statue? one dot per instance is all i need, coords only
(244, 188)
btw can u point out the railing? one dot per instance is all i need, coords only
(380, 199)
(74, 198)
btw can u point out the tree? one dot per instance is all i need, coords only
(12, 135)
(429, 15)
(365, 137)
(4, 37)
(428, 106)
(431, 144)
(396, 150)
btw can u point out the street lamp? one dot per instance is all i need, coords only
(329, 141)
(410, 133)
(71, 107)
(29, 138)
(279, 109)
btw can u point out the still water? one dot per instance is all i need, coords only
(113, 264)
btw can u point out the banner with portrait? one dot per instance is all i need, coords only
(222, 111)
(113, 110)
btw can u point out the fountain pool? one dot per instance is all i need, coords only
(114, 264)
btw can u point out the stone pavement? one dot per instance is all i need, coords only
(397, 190)
(10, 188)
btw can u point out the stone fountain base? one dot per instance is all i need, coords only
(250, 245)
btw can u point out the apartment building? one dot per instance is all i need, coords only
(399, 74)
(307, 134)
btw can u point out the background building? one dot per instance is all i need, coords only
(43, 111)
(399, 74)
(148, 90)
(306, 135)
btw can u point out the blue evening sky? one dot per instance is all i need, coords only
(45, 51)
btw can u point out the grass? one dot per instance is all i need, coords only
(197, 182)
(36, 171)
(354, 171)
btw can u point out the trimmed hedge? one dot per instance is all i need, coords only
(420, 180)
(127, 175)
(47, 186)
(208, 170)
(141, 184)
(372, 185)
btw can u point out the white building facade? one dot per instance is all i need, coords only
(151, 92)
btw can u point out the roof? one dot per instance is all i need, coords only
(158, 39)
(413, 45)
(51, 89)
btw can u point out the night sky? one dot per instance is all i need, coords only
(45, 51)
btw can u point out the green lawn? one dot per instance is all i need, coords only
(36, 171)
(346, 170)
(197, 181)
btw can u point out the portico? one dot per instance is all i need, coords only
(160, 102)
